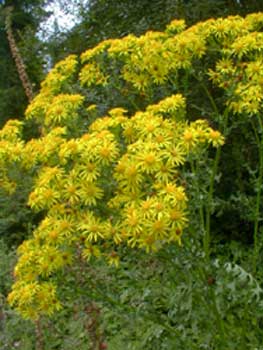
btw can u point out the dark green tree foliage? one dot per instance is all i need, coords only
(104, 19)
(198, 10)
(12, 98)
(25, 16)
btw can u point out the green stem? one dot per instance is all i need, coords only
(212, 298)
(212, 101)
(259, 190)
(200, 204)
(209, 204)
(211, 189)
(206, 241)
(118, 87)
(219, 321)
(210, 97)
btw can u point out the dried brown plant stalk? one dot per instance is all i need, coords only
(20, 66)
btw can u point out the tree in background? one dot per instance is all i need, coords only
(104, 19)
(21, 25)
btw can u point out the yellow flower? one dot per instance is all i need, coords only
(71, 192)
(91, 250)
(175, 154)
(167, 172)
(88, 172)
(113, 259)
(128, 175)
(149, 161)
(132, 223)
(91, 227)
(176, 26)
(90, 54)
(147, 207)
(49, 260)
(89, 193)
(49, 175)
(215, 138)
(92, 108)
(107, 152)
(159, 227)
(173, 105)
(190, 138)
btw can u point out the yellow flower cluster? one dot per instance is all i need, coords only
(55, 111)
(154, 57)
(239, 71)
(128, 168)
(40, 296)
(60, 75)
(243, 82)
(11, 148)
(53, 105)
(63, 108)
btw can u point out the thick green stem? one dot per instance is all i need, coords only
(259, 191)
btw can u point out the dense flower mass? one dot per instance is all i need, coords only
(127, 167)
(110, 179)
(144, 204)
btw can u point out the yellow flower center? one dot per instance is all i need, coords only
(105, 152)
(175, 215)
(188, 136)
(215, 135)
(150, 159)
(131, 171)
(53, 235)
(158, 226)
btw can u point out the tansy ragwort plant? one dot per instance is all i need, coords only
(117, 183)
(116, 179)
